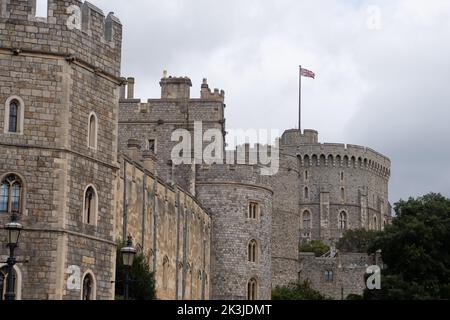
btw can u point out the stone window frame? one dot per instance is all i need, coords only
(253, 289)
(307, 210)
(23, 191)
(256, 214)
(17, 284)
(89, 273)
(95, 142)
(342, 194)
(306, 193)
(20, 115)
(155, 144)
(253, 251)
(345, 220)
(375, 222)
(94, 216)
(328, 275)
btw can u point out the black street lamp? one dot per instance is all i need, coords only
(128, 254)
(13, 229)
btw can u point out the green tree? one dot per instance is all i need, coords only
(316, 246)
(356, 240)
(296, 291)
(415, 251)
(142, 282)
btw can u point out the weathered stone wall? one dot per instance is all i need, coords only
(338, 178)
(226, 192)
(166, 224)
(50, 151)
(348, 270)
(158, 118)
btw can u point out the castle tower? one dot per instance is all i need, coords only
(239, 200)
(321, 191)
(58, 145)
(154, 121)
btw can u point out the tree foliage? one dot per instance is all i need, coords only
(356, 240)
(316, 246)
(296, 291)
(142, 282)
(415, 250)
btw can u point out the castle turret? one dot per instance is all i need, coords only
(175, 87)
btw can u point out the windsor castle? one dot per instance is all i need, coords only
(84, 164)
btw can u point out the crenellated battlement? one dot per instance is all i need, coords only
(70, 28)
(205, 92)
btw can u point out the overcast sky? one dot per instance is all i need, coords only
(383, 70)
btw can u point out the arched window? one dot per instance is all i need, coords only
(4, 282)
(306, 220)
(253, 210)
(92, 131)
(342, 175)
(90, 206)
(343, 220)
(165, 272)
(88, 289)
(252, 251)
(328, 275)
(375, 225)
(342, 194)
(252, 289)
(11, 194)
(306, 175)
(306, 193)
(14, 113)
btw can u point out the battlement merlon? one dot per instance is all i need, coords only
(174, 88)
(70, 28)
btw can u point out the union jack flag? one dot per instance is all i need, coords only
(307, 73)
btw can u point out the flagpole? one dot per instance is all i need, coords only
(300, 100)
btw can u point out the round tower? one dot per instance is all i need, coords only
(321, 191)
(239, 200)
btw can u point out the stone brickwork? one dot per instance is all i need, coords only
(60, 76)
(167, 224)
(335, 277)
(324, 180)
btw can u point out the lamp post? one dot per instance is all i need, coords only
(13, 229)
(128, 254)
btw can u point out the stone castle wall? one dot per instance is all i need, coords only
(226, 191)
(323, 180)
(168, 226)
(60, 76)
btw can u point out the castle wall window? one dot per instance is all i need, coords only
(252, 251)
(4, 282)
(342, 175)
(306, 220)
(253, 210)
(92, 131)
(151, 145)
(90, 206)
(375, 225)
(11, 194)
(343, 220)
(342, 194)
(306, 193)
(306, 175)
(252, 289)
(328, 276)
(14, 115)
(88, 287)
